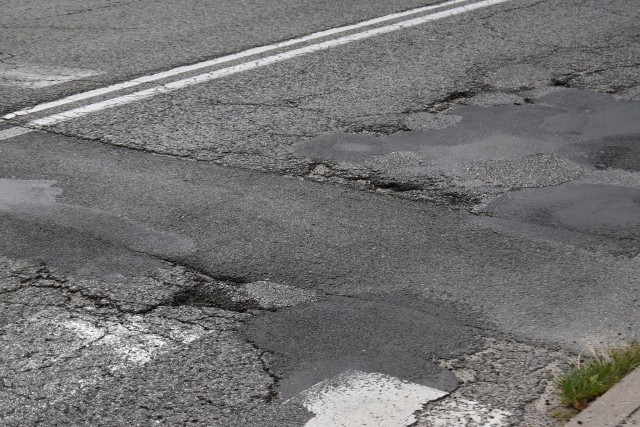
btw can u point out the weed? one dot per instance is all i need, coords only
(592, 378)
(563, 414)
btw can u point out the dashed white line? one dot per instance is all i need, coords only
(257, 63)
(244, 54)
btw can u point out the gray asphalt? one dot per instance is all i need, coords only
(380, 86)
(121, 40)
(250, 226)
(118, 217)
(455, 204)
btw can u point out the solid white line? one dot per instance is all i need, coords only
(262, 62)
(12, 132)
(250, 52)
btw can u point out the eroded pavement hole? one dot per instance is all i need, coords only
(258, 295)
(215, 294)
(489, 143)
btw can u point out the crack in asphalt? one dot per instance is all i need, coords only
(56, 27)
(450, 100)
(6, 57)
(511, 9)
(112, 5)
(218, 296)
(612, 67)
(349, 176)
(275, 379)
(264, 105)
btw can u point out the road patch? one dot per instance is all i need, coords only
(492, 142)
(35, 200)
(312, 342)
(585, 214)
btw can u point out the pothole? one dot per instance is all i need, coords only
(486, 144)
(215, 294)
(375, 127)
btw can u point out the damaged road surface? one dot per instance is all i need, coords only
(415, 220)
(198, 292)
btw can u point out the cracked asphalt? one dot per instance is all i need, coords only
(456, 205)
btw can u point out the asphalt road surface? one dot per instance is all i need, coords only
(322, 213)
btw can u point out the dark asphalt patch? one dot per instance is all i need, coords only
(75, 239)
(346, 147)
(617, 153)
(589, 114)
(71, 251)
(313, 342)
(596, 212)
(498, 141)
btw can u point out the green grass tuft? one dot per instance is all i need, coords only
(591, 379)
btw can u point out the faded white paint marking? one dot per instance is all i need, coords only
(251, 65)
(454, 412)
(233, 57)
(84, 330)
(13, 132)
(357, 398)
(132, 340)
(38, 76)
(132, 343)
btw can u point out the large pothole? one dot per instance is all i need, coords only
(491, 142)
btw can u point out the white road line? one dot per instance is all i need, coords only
(356, 398)
(262, 62)
(11, 132)
(250, 52)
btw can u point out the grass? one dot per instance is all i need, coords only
(563, 414)
(592, 378)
